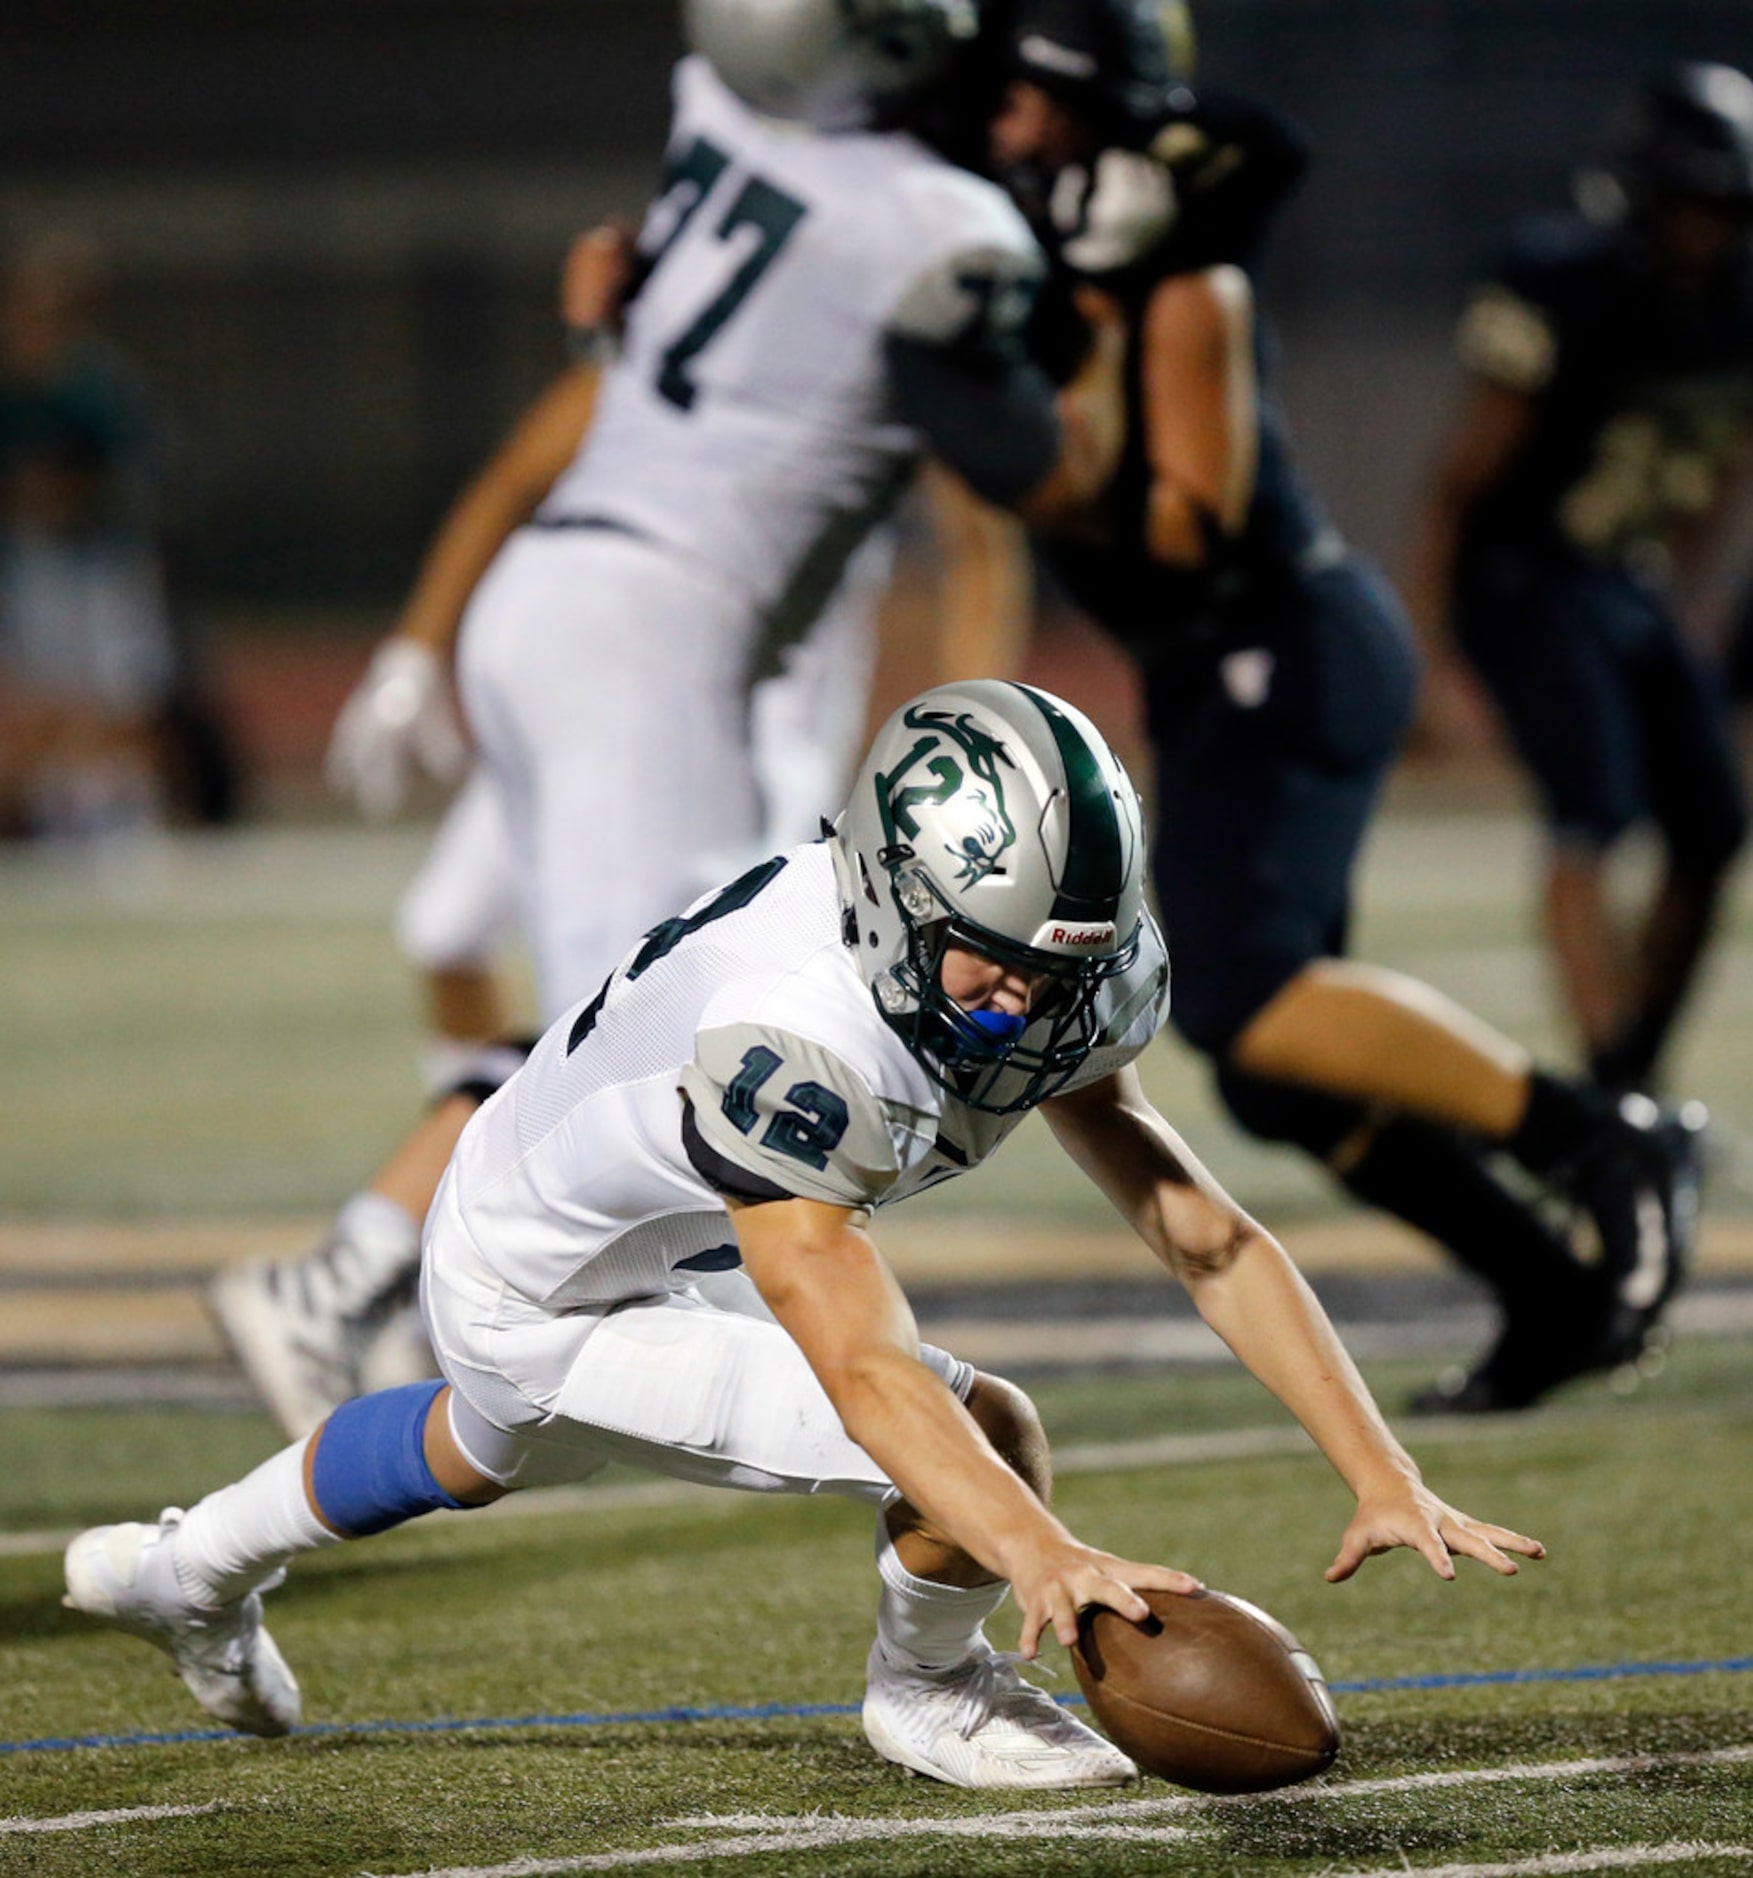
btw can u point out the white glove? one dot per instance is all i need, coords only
(398, 719)
(1115, 216)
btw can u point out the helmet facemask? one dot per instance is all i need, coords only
(990, 1060)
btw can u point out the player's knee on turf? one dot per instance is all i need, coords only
(1012, 1423)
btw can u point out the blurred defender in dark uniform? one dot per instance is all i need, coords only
(1610, 405)
(1280, 677)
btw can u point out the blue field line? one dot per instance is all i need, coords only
(792, 1711)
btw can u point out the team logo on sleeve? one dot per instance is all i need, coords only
(953, 760)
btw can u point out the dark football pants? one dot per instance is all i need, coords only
(1619, 722)
(1269, 762)
(1263, 803)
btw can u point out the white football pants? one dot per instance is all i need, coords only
(626, 770)
(700, 1384)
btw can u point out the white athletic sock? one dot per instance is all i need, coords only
(384, 1239)
(445, 1061)
(233, 1539)
(922, 1624)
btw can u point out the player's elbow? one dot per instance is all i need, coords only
(1210, 1251)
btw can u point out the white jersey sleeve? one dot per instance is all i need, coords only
(976, 267)
(773, 1115)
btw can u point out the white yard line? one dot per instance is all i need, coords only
(1596, 1858)
(741, 1835)
(117, 1816)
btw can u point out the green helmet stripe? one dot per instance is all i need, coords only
(1095, 850)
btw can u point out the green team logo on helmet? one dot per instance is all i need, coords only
(961, 759)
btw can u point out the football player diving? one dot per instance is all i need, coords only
(655, 1245)
(1279, 676)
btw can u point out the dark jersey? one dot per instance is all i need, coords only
(1235, 167)
(1154, 608)
(1644, 392)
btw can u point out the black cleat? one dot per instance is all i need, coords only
(1640, 1183)
(1523, 1365)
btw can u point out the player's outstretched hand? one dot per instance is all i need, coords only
(1052, 1589)
(1414, 1517)
(398, 719)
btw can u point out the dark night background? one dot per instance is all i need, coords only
(333, 228)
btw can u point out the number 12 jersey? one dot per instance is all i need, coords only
(735, 1051)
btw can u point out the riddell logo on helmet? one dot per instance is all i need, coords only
(1079, 935)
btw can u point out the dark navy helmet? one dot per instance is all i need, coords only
(1120, 63)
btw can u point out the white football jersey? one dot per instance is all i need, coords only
(736, 1049)
(748, 423)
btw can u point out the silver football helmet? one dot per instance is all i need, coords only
(994, 816)
(836, 64)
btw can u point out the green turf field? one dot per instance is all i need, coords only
(537, 1642)
(229, 1035)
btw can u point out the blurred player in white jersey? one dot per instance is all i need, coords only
(820, 298)
(815, 310)
(653, 1245)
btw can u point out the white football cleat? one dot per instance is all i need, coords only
(307, 1330)
(980, 1724)
(124, 1575)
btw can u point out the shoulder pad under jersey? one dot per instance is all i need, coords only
(772, 1115)
(970, 261)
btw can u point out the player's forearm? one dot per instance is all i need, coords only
(1488, 435)
(1263, 1309)
(1241, 1279)
(928, 1444)
(1201, 407)
(1178, 524)
(471, 535)
(483, 519)
(986, 591)
(1092, 431)
(1429, 585)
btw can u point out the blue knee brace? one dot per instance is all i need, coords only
(369, 1470)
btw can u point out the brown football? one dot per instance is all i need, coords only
(1209, 1692)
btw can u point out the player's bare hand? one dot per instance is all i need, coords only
(1415, 1518)
(1072, 1577)
(594, 281)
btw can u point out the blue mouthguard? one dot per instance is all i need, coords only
(998, 1026)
